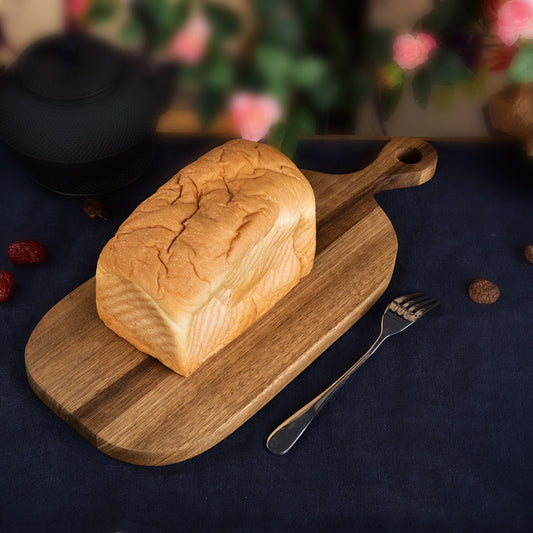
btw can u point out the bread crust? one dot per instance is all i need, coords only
(193, 240)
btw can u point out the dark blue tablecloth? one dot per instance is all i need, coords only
(434, 433)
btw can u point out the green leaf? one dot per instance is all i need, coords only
(447, 68)
(274, 66)
(325, 93)
(181, 13)
(521, 68)
(302, 121)
(210, 103)
(224, 21)
(391, 75)
(422, 87)
(285, 32)
(189, 75)
(165, 18)
(273, 62)
(389, 99)
(132, 32)
(218, 73)
(280, 90)
(308, 72)
(283, 137)
(101, 10)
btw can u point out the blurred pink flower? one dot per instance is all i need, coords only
(78, 8)
(410, 50)
(190, 42)
(254, 114)
(515, 20)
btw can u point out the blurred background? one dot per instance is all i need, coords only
(283, 69)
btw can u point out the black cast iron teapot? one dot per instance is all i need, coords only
(81, 114)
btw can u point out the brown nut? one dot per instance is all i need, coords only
(528, 252)
(483, 291)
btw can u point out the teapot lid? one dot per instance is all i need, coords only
(69, 67)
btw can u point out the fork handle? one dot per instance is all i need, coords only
(283, 438)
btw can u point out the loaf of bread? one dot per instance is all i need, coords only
(206, 255)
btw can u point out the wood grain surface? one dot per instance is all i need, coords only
(133, 408)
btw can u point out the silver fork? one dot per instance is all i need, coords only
(399, 315)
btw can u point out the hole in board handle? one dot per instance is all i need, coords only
(410, 156)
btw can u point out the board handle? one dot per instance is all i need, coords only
(402, 162)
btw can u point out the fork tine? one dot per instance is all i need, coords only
(406, 304)
(418, 302)
(424, 309)
(402, 299)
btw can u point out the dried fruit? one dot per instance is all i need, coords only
(483, 291)
(95, 208)
(26, 252)
(7, 284)
(529, 253)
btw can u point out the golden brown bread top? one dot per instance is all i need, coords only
(179, 243)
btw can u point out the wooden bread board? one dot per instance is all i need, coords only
(133, 408)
